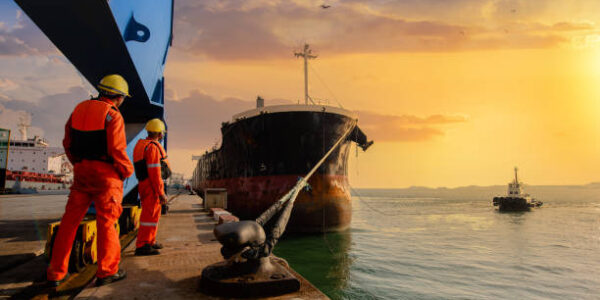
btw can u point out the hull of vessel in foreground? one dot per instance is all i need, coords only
(266, 150)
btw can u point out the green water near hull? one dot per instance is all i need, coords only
(323, 260)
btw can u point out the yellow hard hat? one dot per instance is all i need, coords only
(115, 84)
(155, 125)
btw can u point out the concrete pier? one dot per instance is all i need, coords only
(186, 233)
(23, 220)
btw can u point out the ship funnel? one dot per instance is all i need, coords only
(260, 102)
(24, 123)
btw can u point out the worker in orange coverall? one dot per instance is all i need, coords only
(95, 144)
(151, 167)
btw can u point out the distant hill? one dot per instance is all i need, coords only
(542, 192)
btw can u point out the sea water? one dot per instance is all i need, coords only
(445, 247)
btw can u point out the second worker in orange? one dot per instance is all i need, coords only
(151, 167)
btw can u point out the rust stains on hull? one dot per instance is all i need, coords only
(325, 206)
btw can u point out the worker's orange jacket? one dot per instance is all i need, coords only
(148, 158)
(95, 144)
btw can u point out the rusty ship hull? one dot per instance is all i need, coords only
(265, 151)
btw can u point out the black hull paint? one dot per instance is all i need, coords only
(280, 146)
(515, 203)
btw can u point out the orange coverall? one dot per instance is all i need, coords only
(150, 187)
(95, 144)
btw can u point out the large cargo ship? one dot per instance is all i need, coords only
(264, 151)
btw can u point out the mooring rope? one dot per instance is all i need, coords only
(369, 205)
(175, 196)
(289, 199)
(302, 182)
(322, 191)
(314, 169)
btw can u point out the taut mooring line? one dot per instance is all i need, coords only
(293, 193)
(288, 200)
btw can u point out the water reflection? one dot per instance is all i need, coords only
(514, 217)
(321, 259)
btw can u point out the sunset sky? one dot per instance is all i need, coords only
(454, 92)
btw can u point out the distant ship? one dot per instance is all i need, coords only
(516, 200)
(265, 150)
(32, 165)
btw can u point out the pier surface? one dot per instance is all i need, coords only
(185, 232)
(23, 222)
(23, 225)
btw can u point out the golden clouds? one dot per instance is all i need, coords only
(262, 30)
(405, 128)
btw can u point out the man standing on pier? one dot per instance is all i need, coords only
(95, 144)
(151, 167)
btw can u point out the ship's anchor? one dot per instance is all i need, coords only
(249, 269)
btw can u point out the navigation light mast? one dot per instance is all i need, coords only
(306, 54)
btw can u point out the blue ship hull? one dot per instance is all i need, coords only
(127, 37)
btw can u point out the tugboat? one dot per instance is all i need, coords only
(516, 200)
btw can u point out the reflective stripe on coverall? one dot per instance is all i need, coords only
(98, 181)
(149, 189)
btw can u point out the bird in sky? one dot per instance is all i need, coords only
(325, 6)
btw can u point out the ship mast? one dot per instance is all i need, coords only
(306, 54)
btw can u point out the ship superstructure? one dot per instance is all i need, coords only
(32, 163)
(516, 199)
(35, 155)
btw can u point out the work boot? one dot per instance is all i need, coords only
(157, 246)
(146, 250)
(121, 274)
(56, 283)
